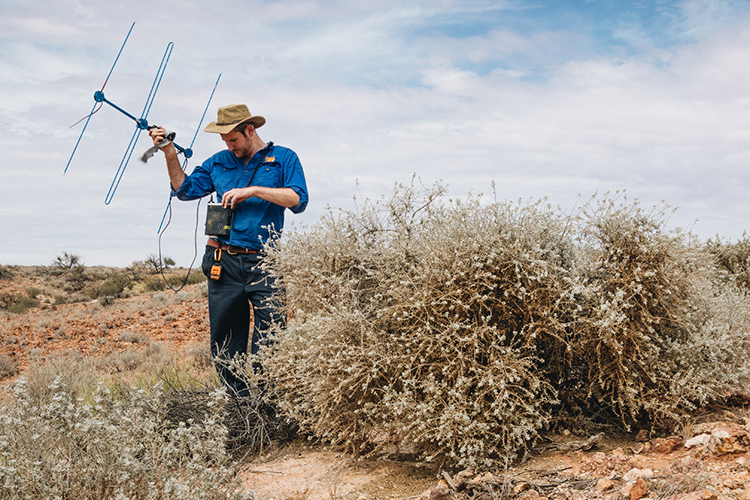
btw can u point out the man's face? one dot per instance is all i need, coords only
(239, 143)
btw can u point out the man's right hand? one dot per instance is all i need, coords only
(157, 134)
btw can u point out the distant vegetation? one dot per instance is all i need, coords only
(68, 280)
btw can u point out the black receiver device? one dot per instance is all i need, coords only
(218, 220)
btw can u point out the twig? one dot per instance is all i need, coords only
(449, 480)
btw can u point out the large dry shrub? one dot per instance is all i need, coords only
(638, 283)
(430, 323)
(461, 328)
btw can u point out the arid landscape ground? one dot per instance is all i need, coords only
(161, 323)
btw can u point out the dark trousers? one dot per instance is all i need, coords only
(242, 284)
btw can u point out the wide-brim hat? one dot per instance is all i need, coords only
(230, 116)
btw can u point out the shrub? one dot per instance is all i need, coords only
(463, 328)
(733, 258)
(6, 272)
(636, 283)
(112, 286)
(22, 304)
(67, 261)
(427, 322)
(109, 446)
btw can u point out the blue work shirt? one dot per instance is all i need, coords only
(255, 220)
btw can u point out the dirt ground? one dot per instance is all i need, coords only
(311, 472)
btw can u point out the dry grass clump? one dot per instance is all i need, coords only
(8, 367)
(462, 328)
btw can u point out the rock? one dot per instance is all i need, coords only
(728, 437)
(696, 495)
(625, 490)
(600, 465)
(639, 489)
(642, 436)
(604, 485)
(439, 492)
(697, 441)
(638, 448)
(667, 445)
(634, 474)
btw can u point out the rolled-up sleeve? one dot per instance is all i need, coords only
(294, 178)
(197, 184)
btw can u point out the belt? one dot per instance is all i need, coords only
(231, 249)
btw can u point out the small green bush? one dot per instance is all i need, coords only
(23, 304)
(112, 286)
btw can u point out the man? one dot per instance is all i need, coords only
(258, 181)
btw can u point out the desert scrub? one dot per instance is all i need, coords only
(108, 446)
(461, 328)
(732, 258)
(639, 292)
(430, 322)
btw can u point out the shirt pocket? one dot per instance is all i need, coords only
(269, 175)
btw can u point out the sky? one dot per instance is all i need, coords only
(555, 99)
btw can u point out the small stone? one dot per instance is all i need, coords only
(638, 448)
(697, 441)
(634, 474)
(642, 436)
(639, 489)
(462, 478)
(604, 485)
(625, 490)
(530, 494)
(566, 432)
(667, 445)
(618, 452)
(686, 465)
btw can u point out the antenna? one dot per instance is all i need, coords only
(141, 123)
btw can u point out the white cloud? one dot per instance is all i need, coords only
(372, 92)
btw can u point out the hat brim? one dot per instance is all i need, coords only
(255, 121)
